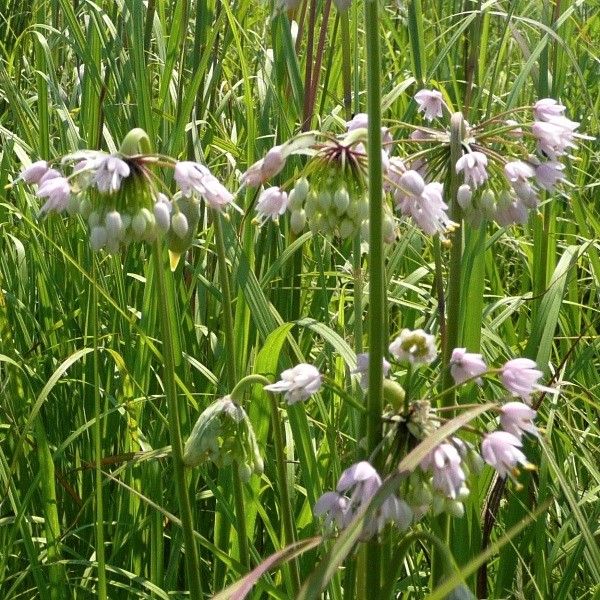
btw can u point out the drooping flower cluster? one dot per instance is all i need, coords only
(330, 196)
(356, 488)
(223, 434)
(440, 483)
(495, 187)
(117, 195)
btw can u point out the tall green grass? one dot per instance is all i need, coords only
(87, 493)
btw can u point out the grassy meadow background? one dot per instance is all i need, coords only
(222, 82)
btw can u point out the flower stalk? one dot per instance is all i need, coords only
(451, 340)
(238, 489)
(377, 335)
(161, 268)
(102, 592)
(137, 141)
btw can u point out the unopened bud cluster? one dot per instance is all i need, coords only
(223, 434)
(330, 197)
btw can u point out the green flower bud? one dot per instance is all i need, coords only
(189, 207)
(394, 394)
(298, 221)
(223, 435)
(301, 188)
(341, 199)
(311, 207)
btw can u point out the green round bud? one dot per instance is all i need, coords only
(295, 201)
(298, 221)
(311, 207)
(301, 188)
(341, 199)
(394, 394)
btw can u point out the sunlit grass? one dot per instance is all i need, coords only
(221, 83)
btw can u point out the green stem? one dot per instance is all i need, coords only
(358, 329)
(245, 382)
(346, 56)
(448, 396)
(102, 593)
(162, 270)
(282, 483)
(238, 489)
(455, 267)
(377, 334)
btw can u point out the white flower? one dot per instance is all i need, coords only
(448, 476)
(473, 164)
(510, 209)
(555, 137)
(215, 193)
(272, 202)
(34, 172)
(548, 174)
(518, 174)
(548, 109)
(430, 212)
(57, 191)
(49, 174)
(363, 479)
(361, 121)
(333, 507)
(362, 368)
(517, 418)
(517, 171)
(430, 103)
(519, 376)
(423, 202)
(393, 173)
(195, 177)
(189, 175)
(358, 121)
(500, 450)
(411, 183)
(466, 365)
(298, 383)
(109, 171)
(416, 347)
